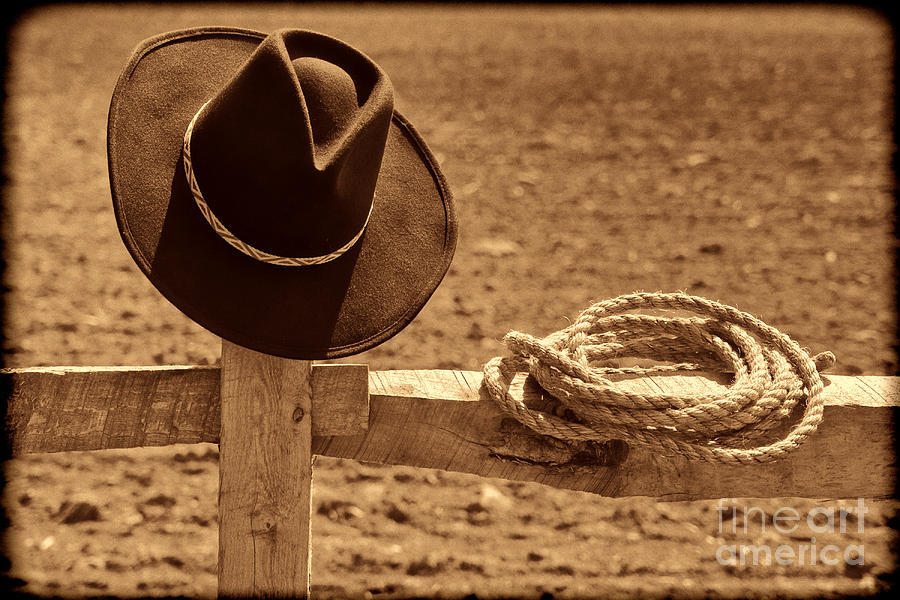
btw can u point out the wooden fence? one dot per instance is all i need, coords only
(269, 415)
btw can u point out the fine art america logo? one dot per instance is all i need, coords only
(789, 521)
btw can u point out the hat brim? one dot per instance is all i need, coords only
(330, 310)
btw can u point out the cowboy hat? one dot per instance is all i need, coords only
(267, 188)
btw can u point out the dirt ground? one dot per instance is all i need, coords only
(741, 154)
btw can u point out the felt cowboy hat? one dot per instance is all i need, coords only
(266, 187)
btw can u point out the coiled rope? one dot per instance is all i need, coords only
(772, 374)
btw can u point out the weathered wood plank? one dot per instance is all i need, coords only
(265, 475)
(340, 399)
(55, 409)
(437, 419)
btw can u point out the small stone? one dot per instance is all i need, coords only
(78, 513)
(470, 566)
(354, 512)
(753, 221)
(95, 585)
(141, 480)
(161, 500)
(115, 567)
(475, 507)
(397, 514)
(156, 508)
(477, 514)
(496, 248)
(493, 499)
(696, 159)
(427, 565)
(340, 510)
(562, 570)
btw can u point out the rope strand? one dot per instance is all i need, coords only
(772, 375)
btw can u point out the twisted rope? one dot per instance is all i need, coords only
(772, 375)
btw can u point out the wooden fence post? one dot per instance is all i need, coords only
(265, 475)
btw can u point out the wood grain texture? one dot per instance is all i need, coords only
(265, 475)
(55, 409)
(437, 419)
(340, 399)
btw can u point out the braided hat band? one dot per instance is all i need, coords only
(235, 242)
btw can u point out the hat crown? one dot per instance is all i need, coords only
(287, 153)
(330, 97)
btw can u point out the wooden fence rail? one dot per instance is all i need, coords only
(438, 419)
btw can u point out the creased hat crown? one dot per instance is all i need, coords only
(238, 159)
(287, 153)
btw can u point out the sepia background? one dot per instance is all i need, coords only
(741, 154)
